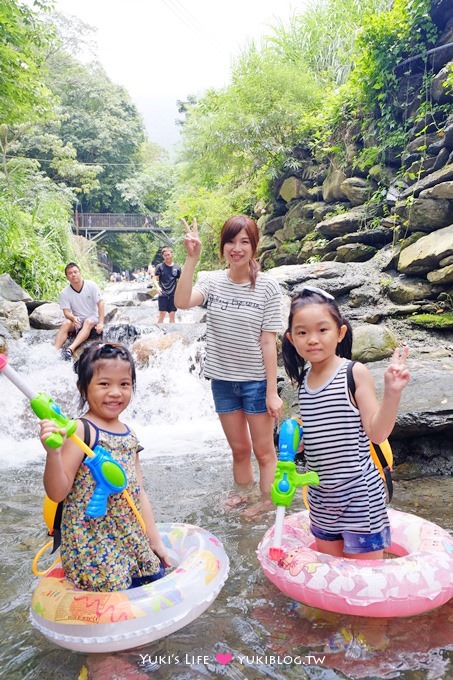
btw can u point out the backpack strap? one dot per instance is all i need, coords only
(386, 469)
(55, 532)
(351, 381)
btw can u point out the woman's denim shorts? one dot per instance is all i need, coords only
(356, 543)
(248, 396)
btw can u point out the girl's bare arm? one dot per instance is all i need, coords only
(379, 419)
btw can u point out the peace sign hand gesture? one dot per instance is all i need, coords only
(192, 242)
(397, 374)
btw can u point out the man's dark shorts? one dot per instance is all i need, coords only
(166, 303)
(94, 335)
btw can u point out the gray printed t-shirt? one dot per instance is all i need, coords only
(236, 316)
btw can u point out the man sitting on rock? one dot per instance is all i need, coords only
(83, 308)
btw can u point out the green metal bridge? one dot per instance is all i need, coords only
(94, 226)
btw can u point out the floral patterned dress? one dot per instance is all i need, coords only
(105, 553)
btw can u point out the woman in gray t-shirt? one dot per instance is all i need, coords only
(243, 318)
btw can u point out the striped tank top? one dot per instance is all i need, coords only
(351, 494)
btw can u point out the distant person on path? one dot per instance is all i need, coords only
(166, 276)
(243, 319)
(83, 308)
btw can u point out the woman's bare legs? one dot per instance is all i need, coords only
(245, 432)
(261, 427)
(237, 433)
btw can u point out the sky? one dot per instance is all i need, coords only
(164, 50)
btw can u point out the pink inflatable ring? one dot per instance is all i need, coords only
(420, 578)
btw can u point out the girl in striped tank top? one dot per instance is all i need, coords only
(347, 510)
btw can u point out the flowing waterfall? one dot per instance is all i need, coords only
(172, 410)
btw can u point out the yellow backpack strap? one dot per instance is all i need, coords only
(383, 459)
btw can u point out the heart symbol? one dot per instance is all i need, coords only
(223, 658)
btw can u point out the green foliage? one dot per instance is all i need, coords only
(281, 98)
(35, 242)
(149, 189)
(369, 156)
(325, 34)
(327, 83)
(23, 42)
(58, 161)
(387, 40)
(247, 131)
(99, 120)
(131, 251)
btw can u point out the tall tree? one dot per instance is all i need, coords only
(100, 121)
(24, 96)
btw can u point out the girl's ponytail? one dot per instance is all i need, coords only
(344, 348)
(293, 362)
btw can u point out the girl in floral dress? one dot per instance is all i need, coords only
(111, 552)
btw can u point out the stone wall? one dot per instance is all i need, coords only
(331, 212)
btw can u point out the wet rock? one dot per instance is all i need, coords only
(150, 345)
(14, 315)
(403, 291)
(331, 187)
(354, 252)
(442, 190)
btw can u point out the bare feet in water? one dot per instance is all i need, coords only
(260, 508)
(252, 498)
(235, 501)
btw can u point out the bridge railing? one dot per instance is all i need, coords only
(113, 221)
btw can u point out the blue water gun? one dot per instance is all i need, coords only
(108, 475)
(287, 479)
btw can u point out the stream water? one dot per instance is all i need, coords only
(187, 473)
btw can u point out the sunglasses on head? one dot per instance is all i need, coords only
(109, 351)
(308, 290)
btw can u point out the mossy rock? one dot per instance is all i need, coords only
(441, 322)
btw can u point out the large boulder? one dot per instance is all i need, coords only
(372, 343)
(426, 214)
(10, 290)
(424, 255)
(356, 190)
(445, 174)
(441, 276)
(47, 316)
(331, 187)
(440, 91)
(292, 188)
(441, 190)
